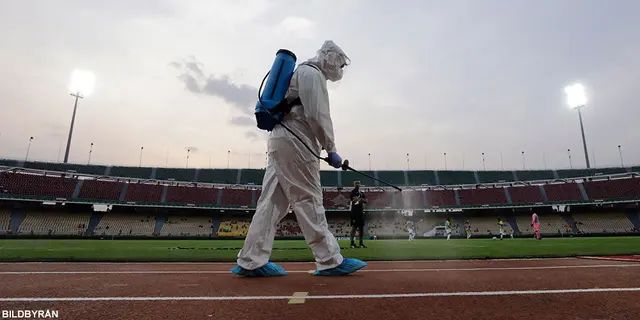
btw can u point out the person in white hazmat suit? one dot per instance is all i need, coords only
(292, 176)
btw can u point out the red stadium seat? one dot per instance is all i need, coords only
(100, 190)
(236, 197)
(563, 192)
(38, 185)
(613, 189)
(192, 195)
(140, 192)
(482, 196)
(525, 194)
(410, 199)
(441, 198)
(336, 200)
(47, 186)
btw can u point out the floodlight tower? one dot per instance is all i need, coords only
(81, 86)
(577, 99)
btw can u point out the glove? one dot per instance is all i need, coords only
(335, 160)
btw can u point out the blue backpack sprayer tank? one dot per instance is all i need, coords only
(267, 113)
(272, 105)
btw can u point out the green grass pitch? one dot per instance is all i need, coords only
(297, 250)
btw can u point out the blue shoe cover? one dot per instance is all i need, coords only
(268, 270)
(348, 266)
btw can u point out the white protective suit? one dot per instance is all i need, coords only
(292, 176)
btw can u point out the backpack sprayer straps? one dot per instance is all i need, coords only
(285, 105)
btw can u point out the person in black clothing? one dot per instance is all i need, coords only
(358, 200)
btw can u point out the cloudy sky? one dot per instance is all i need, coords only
(427, 77)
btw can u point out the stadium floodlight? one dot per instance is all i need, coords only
(620, 152)
(577, 99)
(576, 96)
(82, 83)
(28, 149)
(445, 161)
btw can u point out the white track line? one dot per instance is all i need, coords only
(612, 259)
(292, 262)
(357, 296)
(307, 271)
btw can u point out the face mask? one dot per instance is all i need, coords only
(333, 66)
(334, 75)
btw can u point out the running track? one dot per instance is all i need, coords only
(567, 288)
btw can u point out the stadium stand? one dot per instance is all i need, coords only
(333, 178)
(28, 185)
(41, 186)
(486, 226)
(563, 192)
(236, 197)
(525, 194)
(100, 190)
(482, 196)
(5, 218)
(410, 199)
(396, 225)
(387, 227)
(441, 198)
(218, 191)
(234, 227)
(41, 223)
(336, 200)
(550, 223)
(609, 222)
(140, 192)
(379, 199)
(288, 227)
(340, 227)
(186, 226)
(427, 224)
(125, 224)
(191, 195)
(605, 220)
(613, 189)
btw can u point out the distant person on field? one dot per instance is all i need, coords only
(358, 200)
(468, 229)
(411, 229)
(535, 223)
(447, 228)
(501, 224)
